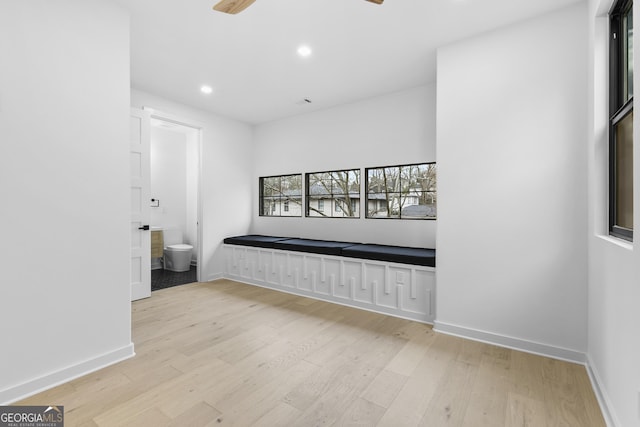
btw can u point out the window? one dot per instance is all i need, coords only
(621, 121)
(336, 194)
(402, 192)
(281, 195)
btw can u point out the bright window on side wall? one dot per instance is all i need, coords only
(281, 195)
(621, 121)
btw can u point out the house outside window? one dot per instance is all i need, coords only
(333, 194)
(402, 192)
(621, 121)
(281, 195)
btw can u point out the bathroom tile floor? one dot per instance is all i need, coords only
(161, 279)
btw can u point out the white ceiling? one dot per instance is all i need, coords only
(360, 49)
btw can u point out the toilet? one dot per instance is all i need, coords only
(177, 255)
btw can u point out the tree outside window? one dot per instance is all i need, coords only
(281, 195)
(402, 192)
(333, 194)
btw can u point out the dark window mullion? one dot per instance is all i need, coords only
(276, 195)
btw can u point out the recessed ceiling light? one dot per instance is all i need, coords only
(206, 90)
(304, 51)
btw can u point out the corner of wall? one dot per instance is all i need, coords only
(603, 399)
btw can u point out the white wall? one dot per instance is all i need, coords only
(511, 125)
(227, 172)
(64, 168)
(169, 178)
(395, 129)
(614, 266)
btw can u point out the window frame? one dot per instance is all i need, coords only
(619, 108)
(261, 197)
(330, 197)
(399, 217)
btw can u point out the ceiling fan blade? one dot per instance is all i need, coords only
(376, 1)
(232, 6)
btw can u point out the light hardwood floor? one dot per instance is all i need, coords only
(225, 353)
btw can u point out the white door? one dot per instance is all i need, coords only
(140, 208)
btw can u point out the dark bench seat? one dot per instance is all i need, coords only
(324, 247)
(254, 240)
(398, 254)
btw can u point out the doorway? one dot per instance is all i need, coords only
(175, 148)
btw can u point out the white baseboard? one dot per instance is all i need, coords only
(510, 342)
(215, 276)
(601, 395)
(344, 303)
(45, 382)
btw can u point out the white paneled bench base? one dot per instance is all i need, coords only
(400, 290)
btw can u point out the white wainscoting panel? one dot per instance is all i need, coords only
(400, 290)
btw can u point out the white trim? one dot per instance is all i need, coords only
(140, 184)
(603, 399)
(169, 117)
(215, 276)
(199, 127)
(511, 342)
(624, 244)
(603, 7)
(53, 379)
